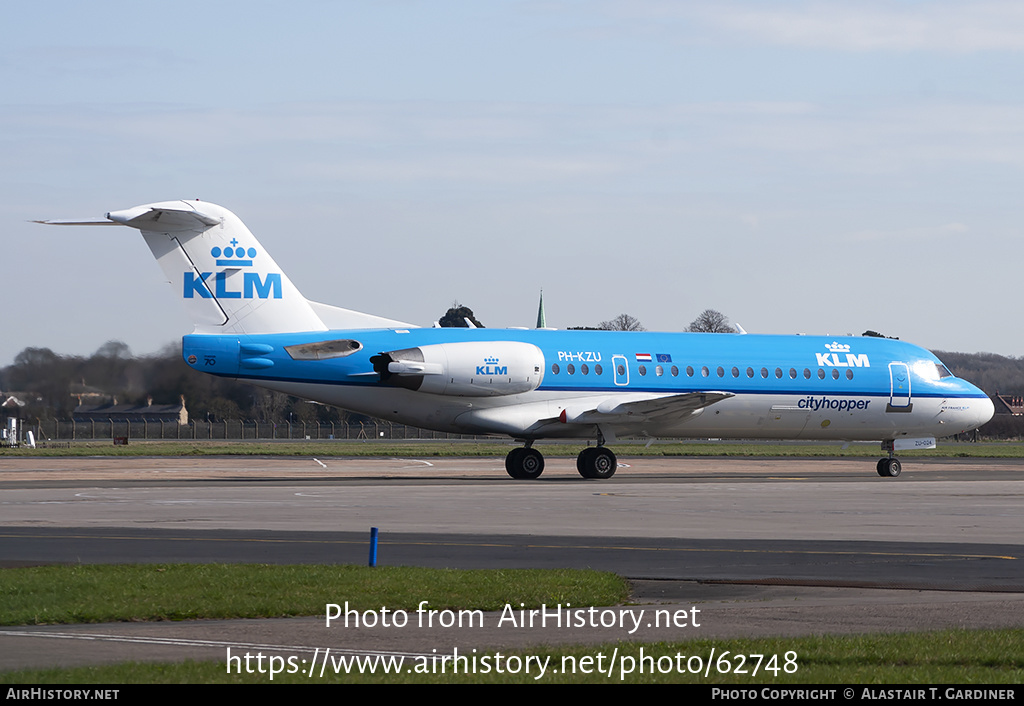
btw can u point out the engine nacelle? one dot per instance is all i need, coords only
(467, 369)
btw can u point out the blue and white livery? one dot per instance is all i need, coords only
(252, 324)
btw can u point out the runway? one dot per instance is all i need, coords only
(793, 531)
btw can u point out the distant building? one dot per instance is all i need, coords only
(1008, 404)
(14, 404)
(148, 412)
(11, 403)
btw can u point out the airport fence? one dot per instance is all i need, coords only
(229, 430)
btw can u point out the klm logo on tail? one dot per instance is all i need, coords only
(253, 286)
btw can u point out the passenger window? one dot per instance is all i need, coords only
(750, 372)
(704, 371)
(554, 368)
(689, 371)
(835, 373)
(821, 373)
(675, 371)
(659, 371)
(735, 372)
(598, 370)
(807, 373)
(643, 369)
(570, 368)
(778, 373)
(584, 369)
(849, 374)
(764, 372)
(621, 370)
(721, 371)
(792, 373)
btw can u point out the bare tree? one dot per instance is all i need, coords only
(711, 321)
(622, 322)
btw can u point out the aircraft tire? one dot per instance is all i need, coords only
(888, 467)
(524, 464)
(599, 463)
(583, 460)
(512, 462)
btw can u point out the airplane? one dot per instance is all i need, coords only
(252, 324)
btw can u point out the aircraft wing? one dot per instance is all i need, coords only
(613, 410)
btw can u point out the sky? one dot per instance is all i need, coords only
(803, 167)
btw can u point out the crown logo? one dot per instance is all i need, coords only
(233, 256)
(490, 361)
(837, 347)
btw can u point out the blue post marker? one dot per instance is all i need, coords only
(373, 546)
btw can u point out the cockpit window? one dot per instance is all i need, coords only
(930, 370)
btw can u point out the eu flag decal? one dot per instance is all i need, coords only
(664, 358)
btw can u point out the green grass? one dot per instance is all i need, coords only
(390, 448)
(77, 594)
(108, 593)
(949, 657)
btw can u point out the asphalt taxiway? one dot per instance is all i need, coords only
(765, 546)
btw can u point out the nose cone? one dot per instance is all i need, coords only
(965, 409)
(983, 410)
(974, 408)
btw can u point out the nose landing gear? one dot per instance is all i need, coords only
(890, 466)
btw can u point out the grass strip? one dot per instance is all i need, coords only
(936, 658)
(129, 592)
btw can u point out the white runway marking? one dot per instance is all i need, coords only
(186, 642)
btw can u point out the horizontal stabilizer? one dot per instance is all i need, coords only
(84, 222)
(164, 218)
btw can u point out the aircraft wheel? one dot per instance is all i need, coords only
(598, 462)
(880, 467)
(512, 461)
(583, 460)
(892, 467)
(524, 464)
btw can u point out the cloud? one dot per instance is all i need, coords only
(930, 233)
(944, 26)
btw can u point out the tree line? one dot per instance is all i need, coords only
(51, 385)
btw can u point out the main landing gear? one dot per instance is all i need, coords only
(890, 466)
(527, 463)
(596, 462)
